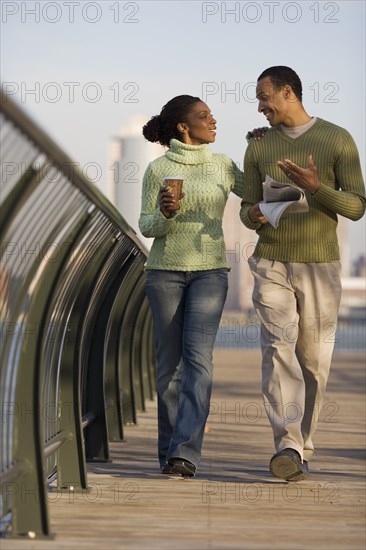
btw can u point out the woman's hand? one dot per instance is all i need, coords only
(167, 203)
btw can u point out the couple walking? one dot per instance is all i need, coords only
(296, 267)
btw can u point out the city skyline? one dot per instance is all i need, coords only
(83, 69)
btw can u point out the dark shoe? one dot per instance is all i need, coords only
(182, 466)
(287, 465)
(168, 470)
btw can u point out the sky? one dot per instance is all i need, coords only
(82, 69)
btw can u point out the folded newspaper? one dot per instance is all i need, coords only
(279, 197)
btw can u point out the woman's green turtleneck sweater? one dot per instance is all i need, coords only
(192, 239)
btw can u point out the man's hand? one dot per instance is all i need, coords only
(306, 178)
(256, 216)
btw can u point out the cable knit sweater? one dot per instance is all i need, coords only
(192, 239)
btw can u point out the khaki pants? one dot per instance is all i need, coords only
(297, 304)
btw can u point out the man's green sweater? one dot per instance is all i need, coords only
(310, 236)
(192, 239)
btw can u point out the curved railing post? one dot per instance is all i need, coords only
(71, 277)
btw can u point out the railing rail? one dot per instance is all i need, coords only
(77, 358)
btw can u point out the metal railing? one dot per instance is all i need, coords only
(348, 335)
(77, 354)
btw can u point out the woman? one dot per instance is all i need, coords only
(186, 281)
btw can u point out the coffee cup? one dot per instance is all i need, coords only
(174, 184)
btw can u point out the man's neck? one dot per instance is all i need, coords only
(298, 118)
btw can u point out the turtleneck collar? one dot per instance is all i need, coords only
(185, 153)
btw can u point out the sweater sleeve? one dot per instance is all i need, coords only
(253, 191)
(348, 199)
(238, 179)
(152, 223)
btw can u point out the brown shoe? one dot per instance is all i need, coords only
(287, 465)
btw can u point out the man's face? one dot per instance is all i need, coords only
(273, 103)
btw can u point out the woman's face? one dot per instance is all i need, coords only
(200, 125)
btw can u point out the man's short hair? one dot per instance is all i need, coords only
(280, 76)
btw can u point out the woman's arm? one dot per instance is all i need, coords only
(152, 222)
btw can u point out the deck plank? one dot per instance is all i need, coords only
(233, 502)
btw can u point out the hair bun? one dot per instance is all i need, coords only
(151, 130)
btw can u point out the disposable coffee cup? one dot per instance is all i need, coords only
(174, 184)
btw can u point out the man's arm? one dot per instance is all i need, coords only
(349, 199)
(250, 214)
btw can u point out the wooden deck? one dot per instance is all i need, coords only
(233, 502)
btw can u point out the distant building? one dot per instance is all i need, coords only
(353, 301)
(344, 247)
(240, 242)
(359, 266)
(128, 157)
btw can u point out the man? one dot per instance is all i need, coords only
(296, 267)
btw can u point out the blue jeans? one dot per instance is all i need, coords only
(186, 309)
